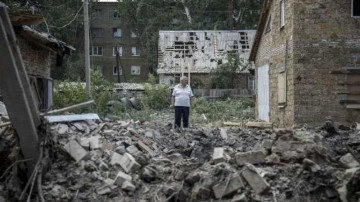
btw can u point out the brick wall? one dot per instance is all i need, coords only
(326, 39)
(37, 60)
(275, 50)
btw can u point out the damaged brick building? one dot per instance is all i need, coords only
(307, 60)
(196, 53)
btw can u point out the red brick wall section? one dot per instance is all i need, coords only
(37, 60)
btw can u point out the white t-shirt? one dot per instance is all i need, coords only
(182, 95)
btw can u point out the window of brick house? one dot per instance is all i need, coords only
(117, 33)
(135, 51)
(268, 25)
(115, 15)
(135, 70)
(119, 49)
(355, 8)
(97, 13)
(282, 13)
(96, 32)
(96, 50)
(115, 70)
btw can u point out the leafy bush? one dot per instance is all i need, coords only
(69, 93)
(156, 96)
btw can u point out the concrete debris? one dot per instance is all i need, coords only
(253, 157)
(349, 161)
(128, 163)
(218, 155)
(149, 162)
(121, 178)
(239, 198)
(75, 150)
(228, 186)
(257, 183)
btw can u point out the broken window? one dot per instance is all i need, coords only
(96, 32)
(115, 72)
(135, 70)
(119, 48)
(244, 41)
(135, 51)
(282, 13)
(96, 50)
(115, 15)
(116, 32)
(355, 8)
(268, 25)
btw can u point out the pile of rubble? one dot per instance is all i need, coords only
(150, 162)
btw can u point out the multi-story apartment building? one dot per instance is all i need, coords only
(108, 32)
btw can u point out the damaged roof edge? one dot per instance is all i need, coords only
(46, 39)
(260, 29)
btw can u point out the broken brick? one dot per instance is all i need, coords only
(218, 155)
(121, 178)
(75, 150)
(257, 183)
(253, 157)
(228, 186)
(128, 163)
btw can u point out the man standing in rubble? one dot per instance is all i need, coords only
(181, 100)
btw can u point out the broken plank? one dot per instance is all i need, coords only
(229, 123)
(353, 106)
(143, 146)
(259, 124)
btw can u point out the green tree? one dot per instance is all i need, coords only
(228, 74)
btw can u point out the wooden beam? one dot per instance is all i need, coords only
(259, 124)
(349, 101)
(353, 106)
(17, 95)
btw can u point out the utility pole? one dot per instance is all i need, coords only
(117, 63)
(87, 48)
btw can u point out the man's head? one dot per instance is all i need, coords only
(183, 80)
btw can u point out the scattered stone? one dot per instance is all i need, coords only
(200, 192)
(84, 142)
(95, 142)
(121, 178)
(342, 191)
(75, 150)
(312, 165)
(349, 161)
(223, 133)
(253, 157)
(267, 144)
(121, 149)
(132, 149)
(103, 190)
(179, 174)
(257, 183)
(218, 155)
(148, 175)
(228, 186)
(239, 198)
(109, 181)
(115, 159)
(149, 134)
(193, 177)
(127, 185)
(62, 129)
(128, 163)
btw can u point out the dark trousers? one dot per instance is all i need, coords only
(182, 112)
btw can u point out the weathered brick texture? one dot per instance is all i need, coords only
(321, 37)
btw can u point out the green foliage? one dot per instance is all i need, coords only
(70, 93)
(222, 110)
(228, 74)
(156, 96)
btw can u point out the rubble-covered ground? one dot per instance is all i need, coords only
(150, 162)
